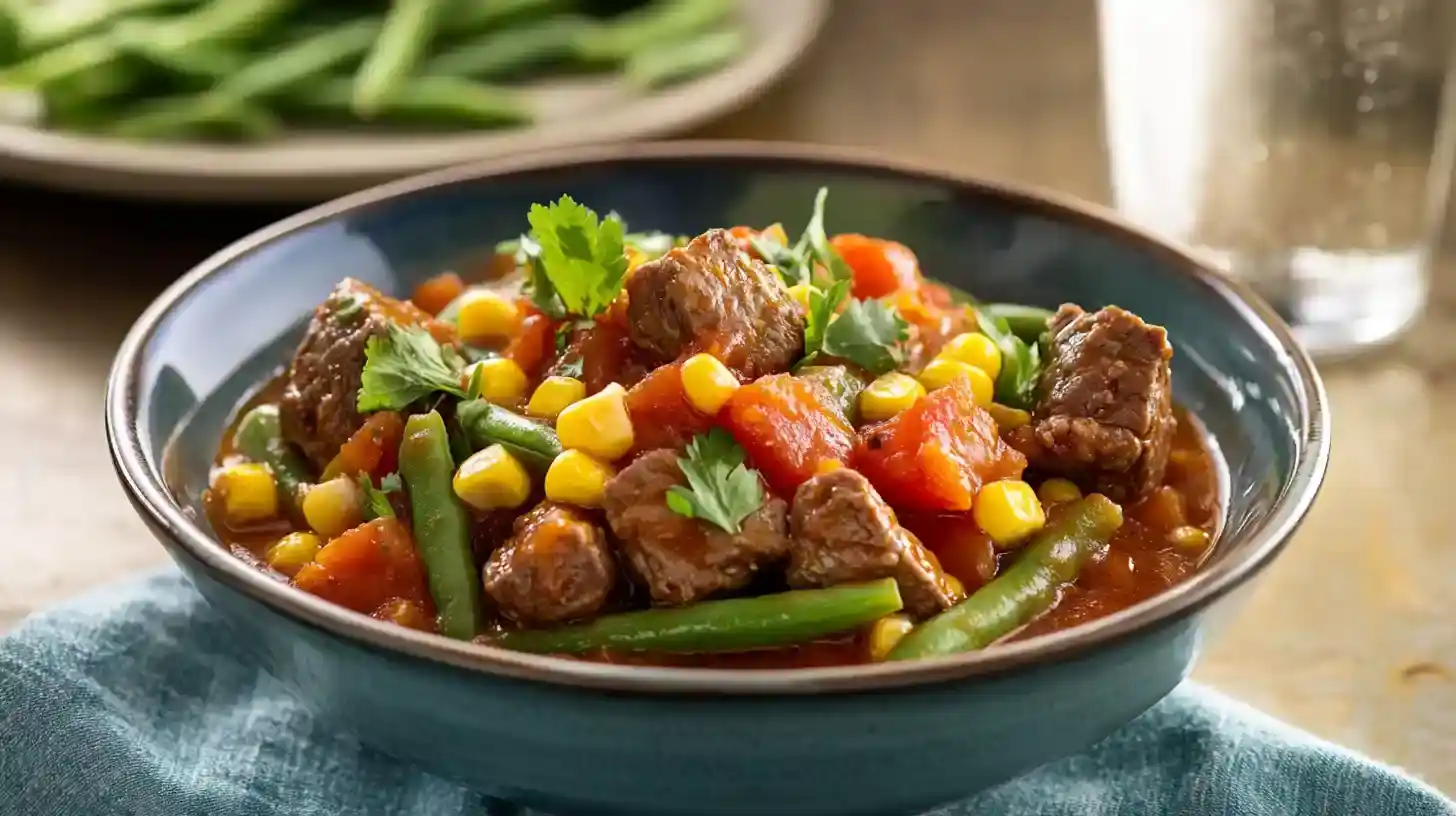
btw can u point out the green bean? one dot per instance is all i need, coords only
(441, 525)
(485, 424)
(658, 22)
(671, 63)
(407, 33)
(220, 21)
(187, 117)
(302, 60)
(842, 385)
(468, 17)
(434, 100)
(260, 438)
(1029, 587)
(59, 23)
(512, 52)
(9, 35)
(1027, 322)
(730, 625)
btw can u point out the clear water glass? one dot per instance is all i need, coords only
(1305, 145)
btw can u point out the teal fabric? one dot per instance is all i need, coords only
(131, 701)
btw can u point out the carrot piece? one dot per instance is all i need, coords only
(436, 293)
(788, 433)
(373, 449)
(880, 267)
(368, 567)
(661, 415)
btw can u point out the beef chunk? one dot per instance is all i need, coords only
(711, 296)
(681, 560)
(1105, 412)
(556, 567)
(317, 410)
(845, 533)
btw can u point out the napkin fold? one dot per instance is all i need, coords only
(131, 701)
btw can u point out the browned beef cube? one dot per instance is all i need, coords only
(678, 559)
(318, 408)
(1105, 411)
(845, 533)
(711, 296)
(557, 567)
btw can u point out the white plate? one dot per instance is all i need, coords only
(306, 166)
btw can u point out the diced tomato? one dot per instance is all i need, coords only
(936, 454)
(534, 344)
(774, 233)
(373, 449)
(436, 293)
(661, 415)
(368, 567)
(880, 267)
(788, 433)
(960, 545)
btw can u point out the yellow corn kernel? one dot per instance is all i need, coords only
(577, 478)
(292, 552)
(886, 633)
(598, 425)
(975, 349)
(553, 395)
(635, 258)
(492, 479)
(334, 506)
(889, 395)
(943, 370)
(486, 316)
(1054, 491)
(1008, 511)
(800, 293)
(1007, 417)
(248, 493)
(501, 380)
(827, 466)
(1189, 537)
(707, 382)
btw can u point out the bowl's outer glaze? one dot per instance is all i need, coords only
(592, 751)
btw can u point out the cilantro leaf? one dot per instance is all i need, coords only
(1021, 362)
(721, 489)
(867, 333)
(822, 307)
(538, 286)
(402, 366)
(583, 257)
(376, 499)
(818, 241)
(794, 264)
(652, 244)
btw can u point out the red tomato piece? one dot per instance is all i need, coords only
(435, 294)
(373, 449)
(534, 344)
(880, 267)
(959, 544)
(936, 454)
(368, 567)
(661, 415)
(788, 433)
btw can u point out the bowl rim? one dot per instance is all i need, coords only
(149, 494)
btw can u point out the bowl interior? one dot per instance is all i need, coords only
(227, 327)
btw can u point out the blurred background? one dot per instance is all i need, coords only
(1303, 144)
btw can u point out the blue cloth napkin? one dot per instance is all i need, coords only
(130, 701)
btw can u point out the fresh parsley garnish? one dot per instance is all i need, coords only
(583, 257)
(476, 383)
(538, 286)
(376, 499)
(796, 264)
(405, 365)
(818, 241)
(868, 333)
(822, 308)
(1021, 362)
(721, 489)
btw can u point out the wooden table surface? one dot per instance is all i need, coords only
(1349, 635)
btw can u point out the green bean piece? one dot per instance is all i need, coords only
(533, 443)
(1028, 588)
(9, 35)
(842, 385)
(736, 624)
(50, 26)
(220, 21)
(441, 525)
(650, 26)
(259, 437)
(302, 60)
(189, 117)
(671, 63)
(429, 101)
(513, 52)
(199, 69)
(467, 17)
(1027, 322)
(407, 32)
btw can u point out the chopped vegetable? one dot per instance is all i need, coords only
(376, 499)
(708, 383)
(249, 494)
(974, 349)
(435, 294)
(484, 316)
(662, 415)
(507, 54)
(1027, 322)
(441, 525)
(260, 438)
(578, 478)
(485, 424)
(1189, 537)
(533, 344)
(1026, 589)
(880, 267)
(334, 506)
(1020, 363)
(584, 258)
(492, 479)
(1009, 511)
(803, 294)
(669, 63)
(787, 430)
(651, 25)
(819, 314)
(405, 365)
(721, 490)
(870, 334)
(373, 449)
(367, 567)
(889, 395)
(407, 32)
(553, 395)
(598, 425)
(736, 624)
(942, 371)
(841, 386)
(499, 380)
(818, 242)
(292, 553)
(1057, 490)
(886, 632)
(1008, 419)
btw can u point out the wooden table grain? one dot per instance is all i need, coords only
(1348, 636)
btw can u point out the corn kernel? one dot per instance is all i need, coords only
(577, 478)
(1008, 511)
(492, 479)
(1189, 537)
(334, 506)
(942, 371)
(553, 395)
(886, 633)
(1054, 491)
(501, 380)
(827, 466)
(975, 349)
(888, 395)
(292, 552)
(635, 258)
(598, 425)
(801, 293)
(486, 316)
(1008, 418)
(707, 382)
(249, 493)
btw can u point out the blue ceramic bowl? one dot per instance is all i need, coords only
(580, 738)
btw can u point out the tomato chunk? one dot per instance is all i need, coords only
(936, 454)
(373, 449)
(534, 344)
(959, 544)
(436, 293)
(367, 568)
(788, 432)
(661, 415)
(880, 267)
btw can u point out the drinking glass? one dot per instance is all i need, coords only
(1305, 145)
